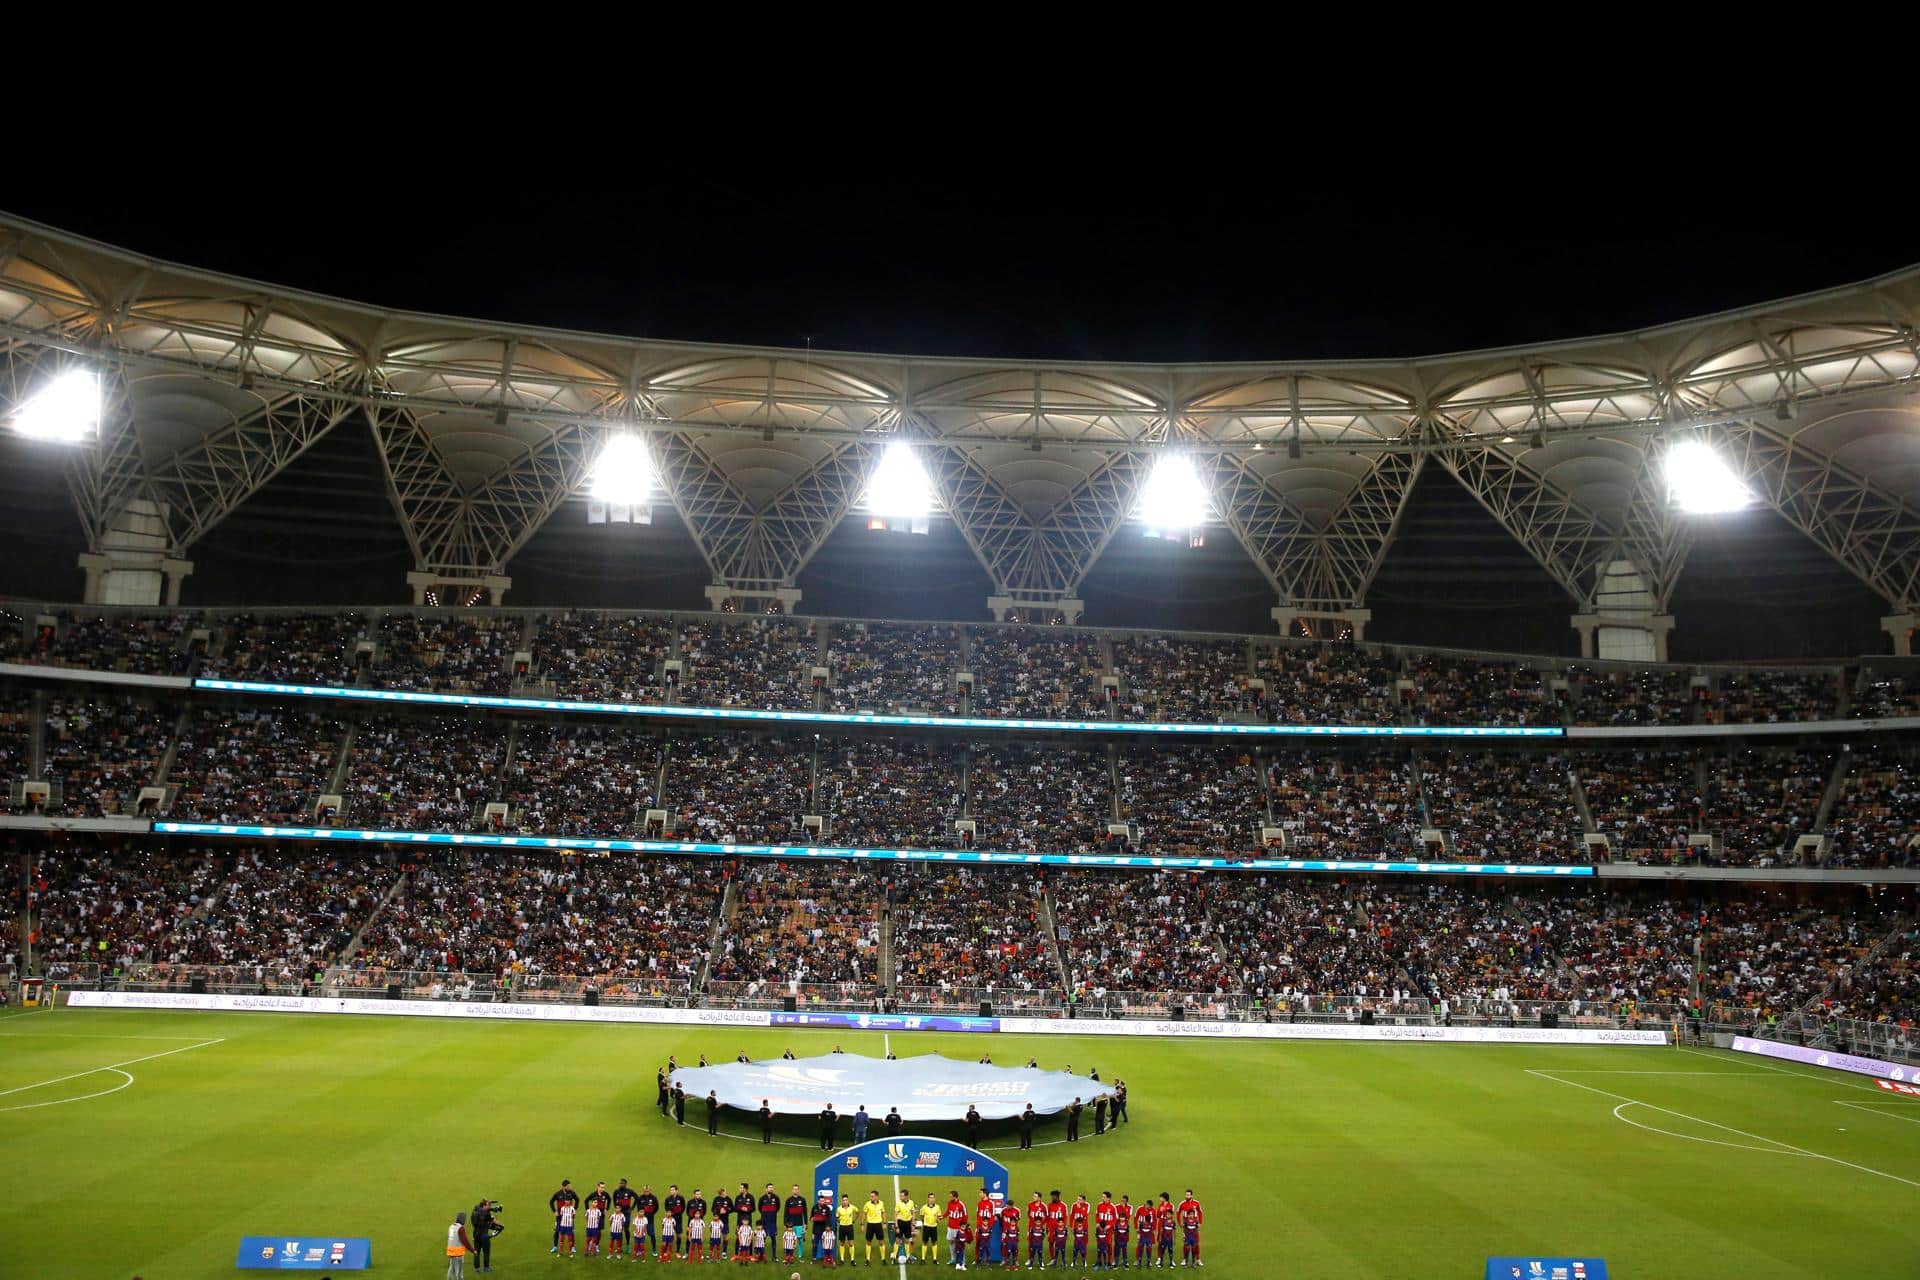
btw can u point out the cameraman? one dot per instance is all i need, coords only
(483, 1226)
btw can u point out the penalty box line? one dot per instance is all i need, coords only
(111, 1066)
(1787, 1147)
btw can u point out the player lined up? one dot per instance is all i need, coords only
(743, 1228)
(638, 1224)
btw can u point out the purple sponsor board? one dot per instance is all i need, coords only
(1826, 1058)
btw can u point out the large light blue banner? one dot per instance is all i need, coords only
(929, 1087)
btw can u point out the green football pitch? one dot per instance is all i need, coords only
(139, 1143)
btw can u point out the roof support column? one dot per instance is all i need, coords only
(1900, 628)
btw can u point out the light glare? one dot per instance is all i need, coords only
(1700, 482)
(1173, 497)
(900, 488)
(67, 409)
(624, 474)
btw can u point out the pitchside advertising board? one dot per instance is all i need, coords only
(874, 1022)
(1530, 1268)
(1830, 1058)
(305, 1253)
(885, 1022)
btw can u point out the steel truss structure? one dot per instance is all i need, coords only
(214, 385)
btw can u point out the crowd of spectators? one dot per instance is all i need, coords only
(1172, 678)
(1346, 806)
(883, 665)
(1470, 691)
(1498, 806)
(103, 748)
(426, 773)
(114, 907)
(1651, 697)
(13, 635)
(1037, 672)
(461, 653)
(1192, 799)
(628, 926)
(1625, 945)
(1142, 932)
(973, 930)
(1296, 943)
(299, 648)
(1040, 798)
(804, 928)
(16, 739)
(1473, 950)
(739, 788)
(760, 663)
(887, 793)
(1645, 802)
(1877, 819)
(1884, 695)
(1328, 684)
(1769, 955)
(1769, 697)
(285, 911)
(254, 764)
(582, 780)
(1758, 802)
(1882, 987)
(644, 927)
(138, 644)
(592, 657)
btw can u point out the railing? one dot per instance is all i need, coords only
(836, 996)
(524, 988)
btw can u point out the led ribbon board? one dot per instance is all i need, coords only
(970, 856)
(744, 716)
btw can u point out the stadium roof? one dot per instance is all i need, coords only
(485, 429)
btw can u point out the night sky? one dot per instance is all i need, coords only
(1261, 273)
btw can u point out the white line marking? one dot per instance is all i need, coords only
(1764, 1066)
(1621, 1097)
(1737, 1146)
(1613, 1071)
(111, 1066)
(126, 1079)
(1868, 1108)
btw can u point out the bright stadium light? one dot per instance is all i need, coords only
(900, 488)
(1700, 482)
(1173, 500)
(66, 410)
(623, 475)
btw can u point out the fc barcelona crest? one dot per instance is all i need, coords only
(853, 1162)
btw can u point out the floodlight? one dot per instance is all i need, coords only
(624, 473)
(1700, 482)
(900, 488)
(1173, 497)
(66, 409)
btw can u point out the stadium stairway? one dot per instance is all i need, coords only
(1053, 938)
(1587, 824)
(352, 948)
(716, 934)
(886, 948)
(1836, 785)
